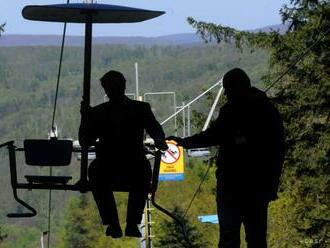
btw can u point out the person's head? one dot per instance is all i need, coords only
(114, 85)
(236, 84)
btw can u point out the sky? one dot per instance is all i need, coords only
(239, 14)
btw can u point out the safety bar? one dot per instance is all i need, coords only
(13, 179)
(11, 142)
(154, 187)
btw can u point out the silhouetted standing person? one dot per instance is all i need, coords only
(116, 128)
(249, 132)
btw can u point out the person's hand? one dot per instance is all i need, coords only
(178, 140)
(161, 144)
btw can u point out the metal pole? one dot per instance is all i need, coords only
(192, 101)
(189, 122)
(86, 94)
(137, 81)
(149, 224)
(175, 117)
(206, 124)
(183, 121)
(143, 230)
(42, 240)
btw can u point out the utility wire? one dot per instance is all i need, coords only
(321, 36)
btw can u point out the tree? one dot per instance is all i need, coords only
(2, 28)
(174, 237)
(81, 228)
(2, 236)
(300, 61)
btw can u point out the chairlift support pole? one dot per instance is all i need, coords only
(86, 92)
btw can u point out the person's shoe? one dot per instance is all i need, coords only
(132, 230)
(114, 231)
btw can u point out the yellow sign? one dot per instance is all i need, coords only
(172, 164)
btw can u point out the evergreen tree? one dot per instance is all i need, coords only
(174, 236)
(81, 229)
(2, 28)
(2, 236)
(300, 61)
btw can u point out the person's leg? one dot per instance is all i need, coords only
(229, 223)
(255, 224)
(106, 204)
(105, 200)
(136, 202)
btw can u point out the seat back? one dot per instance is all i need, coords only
(51, 152)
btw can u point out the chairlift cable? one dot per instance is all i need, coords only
(199, 187)
(53, 126)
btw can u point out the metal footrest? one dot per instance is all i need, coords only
(21, 215)
(48, 179)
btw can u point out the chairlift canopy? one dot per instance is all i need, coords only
(82, 13)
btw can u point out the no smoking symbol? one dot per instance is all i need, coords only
(172, 154)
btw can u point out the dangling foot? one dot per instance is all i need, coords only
(114, 231)
(132, 230)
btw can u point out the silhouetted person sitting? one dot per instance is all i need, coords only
(116, 128)
(249, 132)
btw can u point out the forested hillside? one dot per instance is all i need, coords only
(27, 88)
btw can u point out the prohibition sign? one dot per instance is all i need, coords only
(172, 154)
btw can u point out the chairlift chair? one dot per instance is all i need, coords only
(54, 152)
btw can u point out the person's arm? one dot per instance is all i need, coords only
(210, 137)
(154, 129)
(87, 134)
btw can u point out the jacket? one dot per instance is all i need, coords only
(250, 137)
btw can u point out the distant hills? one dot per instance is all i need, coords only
(166, 40)
(55, 40)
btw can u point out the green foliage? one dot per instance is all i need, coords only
(2, 236)
(176, 236)
(82, 227)
(303, 95)
(22, 235)
(81, 230)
